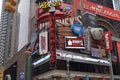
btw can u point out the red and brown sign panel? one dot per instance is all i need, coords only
(72, 42)
(108, 40)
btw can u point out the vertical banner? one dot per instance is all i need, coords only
(108, 40)
(52, 40)
(43, 43)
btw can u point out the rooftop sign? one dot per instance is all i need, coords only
(48, 4)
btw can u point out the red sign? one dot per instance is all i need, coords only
(74, 42)
(52, 40)
(100, 10)
(108, 40)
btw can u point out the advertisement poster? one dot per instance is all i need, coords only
(43, 42)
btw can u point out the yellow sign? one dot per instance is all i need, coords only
(46, 4)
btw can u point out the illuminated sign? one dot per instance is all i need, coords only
(108, 40)
(103, 11)
(65, 21)
(77, 29)
(69, 21)
(100, 10)
(74, 42)
(52, 41)
(48, 4)
(41, 60)
(79, 58)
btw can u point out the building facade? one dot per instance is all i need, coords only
(8, 32)
(58, 48)
(24, 23)
(62, 52)
(116, 4)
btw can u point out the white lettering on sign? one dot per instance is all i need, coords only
(65, 22)
(101, 10)
(69, 21)
(78, 41)
(74, 42)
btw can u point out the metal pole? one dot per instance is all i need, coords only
(68, 71)
(111, 68)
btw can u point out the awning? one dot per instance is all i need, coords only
(77, 57)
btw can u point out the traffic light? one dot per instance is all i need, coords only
(10, 5)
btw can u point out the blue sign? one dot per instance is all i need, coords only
(22, 75)
(77, 28)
